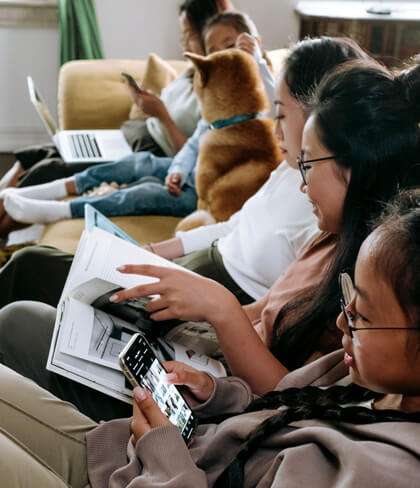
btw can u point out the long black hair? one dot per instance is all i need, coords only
(198, 12)
(397, 251)
(369, 118)
(311, 59)
(397, 260)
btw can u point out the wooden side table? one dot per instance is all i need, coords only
(391, 38)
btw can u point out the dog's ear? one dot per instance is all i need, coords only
(202, 66)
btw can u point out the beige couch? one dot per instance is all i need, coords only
(91, 96)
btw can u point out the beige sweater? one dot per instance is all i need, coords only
(306, 454)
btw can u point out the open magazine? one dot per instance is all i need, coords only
(90, 331)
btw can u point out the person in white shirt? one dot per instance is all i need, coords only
(250, 251)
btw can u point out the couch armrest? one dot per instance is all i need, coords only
(91, 94)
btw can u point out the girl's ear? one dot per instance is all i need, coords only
(202, 66)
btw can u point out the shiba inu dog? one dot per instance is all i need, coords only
(240, 151)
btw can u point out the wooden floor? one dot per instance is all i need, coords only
(6, 161)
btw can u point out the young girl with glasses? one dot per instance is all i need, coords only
(350, 418)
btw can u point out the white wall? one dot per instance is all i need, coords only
(275, 19)
(25, 51)
(137, 27)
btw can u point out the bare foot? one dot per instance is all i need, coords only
(7, 225)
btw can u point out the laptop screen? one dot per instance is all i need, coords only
(41, 108)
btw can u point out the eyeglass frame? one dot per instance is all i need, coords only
(349, 319)
(302, 163)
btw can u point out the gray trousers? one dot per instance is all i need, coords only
(25, 337)
(209, 263)
(42, 439)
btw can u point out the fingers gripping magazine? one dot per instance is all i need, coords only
(90, 332)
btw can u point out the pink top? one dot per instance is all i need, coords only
(304, 272)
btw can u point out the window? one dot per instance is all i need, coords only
(28, 13)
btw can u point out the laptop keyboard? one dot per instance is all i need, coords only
(84, 146)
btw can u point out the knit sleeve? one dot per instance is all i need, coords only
(166, 461)
(230, 395)
(323, 372)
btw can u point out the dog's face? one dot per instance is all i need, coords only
(228, 83)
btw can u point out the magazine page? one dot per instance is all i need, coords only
(196, 344)
(107, 380)
(199, 336)
(90, 332)
(97, 257)
(93, 335)
(93, 290)
(191, 356)
(105, 252)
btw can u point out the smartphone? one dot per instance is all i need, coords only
(142, 368)
(131, 82)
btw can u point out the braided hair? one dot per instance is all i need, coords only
(305, 404)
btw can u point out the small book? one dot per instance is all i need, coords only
(90, 331)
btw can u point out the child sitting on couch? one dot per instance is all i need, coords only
(168, 185)
(173, 116)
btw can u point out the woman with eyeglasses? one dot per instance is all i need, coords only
(351, 418)
(360, 146)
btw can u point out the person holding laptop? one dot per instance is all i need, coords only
(172, 118)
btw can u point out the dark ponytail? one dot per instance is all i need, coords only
(198, 12)
(311, 59)
(306, 404)
(366, 116)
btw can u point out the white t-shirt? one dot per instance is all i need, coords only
(259, 242)
(183, 106)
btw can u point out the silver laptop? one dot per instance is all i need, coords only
(75, 146)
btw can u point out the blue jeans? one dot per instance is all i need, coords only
(148, 196)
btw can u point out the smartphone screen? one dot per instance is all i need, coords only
(141, 362)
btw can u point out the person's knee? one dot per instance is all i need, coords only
(26, 258)
(22, 324)
(20, 468)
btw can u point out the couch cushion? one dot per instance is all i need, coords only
(91, 94)
(65, 234)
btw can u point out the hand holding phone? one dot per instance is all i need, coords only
(199, 384)
(146, 414)
(142, 368)
(145, 100)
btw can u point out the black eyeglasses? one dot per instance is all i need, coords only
(348, 293)
(305, 165)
